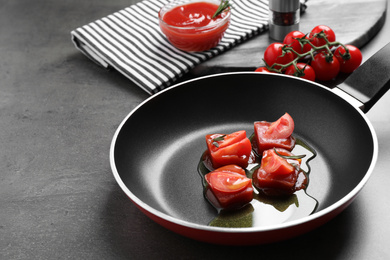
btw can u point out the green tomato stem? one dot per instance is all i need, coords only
(301, 55)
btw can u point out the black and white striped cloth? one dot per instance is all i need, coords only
(131, 42)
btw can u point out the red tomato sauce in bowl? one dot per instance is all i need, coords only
(189, 26)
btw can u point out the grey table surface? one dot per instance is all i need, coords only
(58, 198)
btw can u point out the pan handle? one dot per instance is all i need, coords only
(371, 80)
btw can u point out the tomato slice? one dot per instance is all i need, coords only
(281, 128)
(219, 141)
(276, 175)
(232, 169)
(228, 187)
(228, 149)
(273, 163)
(276, 134)
(228, 182)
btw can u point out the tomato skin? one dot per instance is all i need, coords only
(276, 176)
(330, 35)
(263, 69)
(351, 64)
(274, 54)
(325, 70)
(232, 168)
(305, 71)
(235, 148)
(274, 134)
(272, 163)
(291, 40)
(228, 187)
(281, 128)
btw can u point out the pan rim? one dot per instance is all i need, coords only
(348, 198)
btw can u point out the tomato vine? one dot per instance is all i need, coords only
(313, 56)
(286, 48)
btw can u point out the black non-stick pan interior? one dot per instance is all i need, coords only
(159, 145)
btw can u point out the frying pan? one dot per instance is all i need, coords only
(156, 149)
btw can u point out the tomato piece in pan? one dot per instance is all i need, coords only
(274, 134)
(277, 175)
(228, 187)
(228, 149)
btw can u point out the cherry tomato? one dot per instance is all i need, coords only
(228, 149)
(348, 62)
(276, 175)
(324, 30)
(263, 69)
(292, 40)
(275, 134)
(304, 71)
(275, 54)
(325, 67)
(228, 187)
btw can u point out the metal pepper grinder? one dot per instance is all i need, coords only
(284, 16)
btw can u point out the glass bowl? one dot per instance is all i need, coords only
(193, 38)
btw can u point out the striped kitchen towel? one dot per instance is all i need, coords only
(131, 42)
